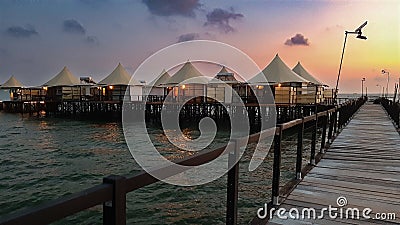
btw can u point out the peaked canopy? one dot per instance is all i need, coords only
(119, 77)
(277, 72)
(226, 76)
(64, 78)
(188, 71)
(299, 69)
(160, 79)
(12, 83)
(223, 70)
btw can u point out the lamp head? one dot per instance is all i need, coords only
(361, 27)
(359, 32)
(359, 36)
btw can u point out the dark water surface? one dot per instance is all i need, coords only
(46, 158)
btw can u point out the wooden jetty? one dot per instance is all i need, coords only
(362, 165)
(113, 109)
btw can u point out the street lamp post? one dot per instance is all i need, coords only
(359, 36)
(387, 84)
(362, 87)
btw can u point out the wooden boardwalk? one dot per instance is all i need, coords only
(362, 165)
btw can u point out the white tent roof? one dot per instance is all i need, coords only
(160, 79)
(12, 83)
(187, 72)
(224, 72)
(277, 72)
(119, 77)
(299, 69)
(64, 78)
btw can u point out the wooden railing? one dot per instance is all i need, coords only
(393, 109)
(112, 192)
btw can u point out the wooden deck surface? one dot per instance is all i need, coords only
(362, 165)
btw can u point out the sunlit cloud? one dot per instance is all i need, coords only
(298, 39)
(92, 40)
(185, 8)
(73, 26)
(220, 18)
(188, 37)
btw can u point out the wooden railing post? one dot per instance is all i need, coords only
(314, 141)
(342, 117)
(114, 212)
(323, 138)
(299, 155)
(276, 173)
(335, 121)
(397, 114)
(232, 186)
(331, 124)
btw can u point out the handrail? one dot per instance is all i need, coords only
(393, 110)
(112, 192)
(62, 207)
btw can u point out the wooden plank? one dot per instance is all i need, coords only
(364, 174)
(357, 179)
(378, 167)
(354, 185)
(394, 199)
(327, 198)
(301, 205)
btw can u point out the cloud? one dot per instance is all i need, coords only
(73, 26)
(92, 40)
(188, 37)
(221, 18)
(173, 7)
(21, 32)
(298, 39)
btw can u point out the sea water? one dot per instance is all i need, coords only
(46, 158)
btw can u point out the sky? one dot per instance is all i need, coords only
(39, 37)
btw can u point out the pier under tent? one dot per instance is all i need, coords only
(33, 94)
(116, 84)
(188, 84)
(11, 89)
(313, 93)
(156, 90)
(15, 97)
(283, 81)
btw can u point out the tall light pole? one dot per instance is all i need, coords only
(359, 36)
(387, 84)
(362, 87)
